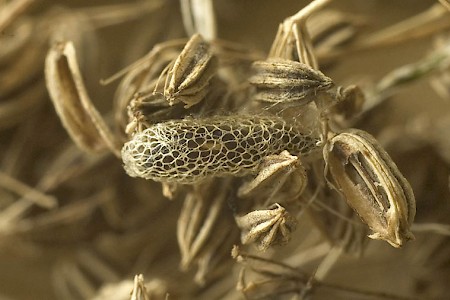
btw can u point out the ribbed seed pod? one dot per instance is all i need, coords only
(372, 185)
(189, 78)
(281, 81)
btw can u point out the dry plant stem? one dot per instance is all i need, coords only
(199, 17)
(425, 24)
(328, 263)
(445, 3)
(96, 266)
(11, 11)
(139, 292)
(68, 93)
(115, 14)
(269, 268)
(67, 278)
(407, 74)
(13, 110)
(436, 228)
(65, 215)
(306, 256)
(409, 28)
(146, 59)
(293, 30)
(30, 193)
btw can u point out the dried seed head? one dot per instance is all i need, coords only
(288, 81)
(266, 227)
(280, 176)
(372, 185)
(189, 150)
(189, 78)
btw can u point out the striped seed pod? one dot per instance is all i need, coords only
(286, 81)
(188, 79)
(372, 185)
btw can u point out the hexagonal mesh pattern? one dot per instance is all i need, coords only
(189, 150)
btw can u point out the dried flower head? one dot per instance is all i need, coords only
(266, 227)
(188, 80)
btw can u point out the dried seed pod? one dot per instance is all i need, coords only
(372, 185)
(72, 103)
(205, 229)
(285, 81)
(188, 79)
(266, 227)
(189, 150)
(281, 176)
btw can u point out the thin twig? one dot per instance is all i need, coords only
(11, 11)
(29, 193)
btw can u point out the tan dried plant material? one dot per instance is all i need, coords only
(138, 96)
(155, 289)
(72, 103)
(199, 17)
(21, 60)
(139, 291)
(10, 11)
(279, 177)
(287, 81)
(266, 227)
(293, 41)
(349, 102)
(158, 85)
(15, 38)
(205, 229)
(371, 184)
(189, 77)
(337, 222)
(262, 278)
(331, 29)
(29, 193)
(191, 150)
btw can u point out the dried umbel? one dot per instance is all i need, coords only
(266, 227)
(189, 150)
(286, 81)
(372, 185)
